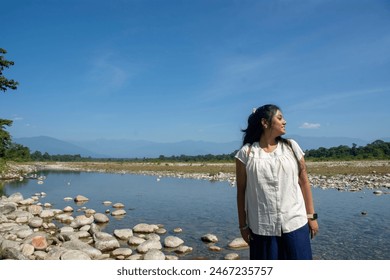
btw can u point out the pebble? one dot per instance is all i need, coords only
(119, 212)
(80, 198)
(173, 241)
(232, 256)
(209, 238)
(238, 243)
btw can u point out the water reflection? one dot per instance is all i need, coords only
(200, 207)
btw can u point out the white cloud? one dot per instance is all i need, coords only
(108, 73)
(307, 125)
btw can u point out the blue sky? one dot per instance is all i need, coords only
(173, 70)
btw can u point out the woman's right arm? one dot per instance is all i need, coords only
(241, 187)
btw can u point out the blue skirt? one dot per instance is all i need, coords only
(293, 245)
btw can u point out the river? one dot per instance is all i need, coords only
(353, 225)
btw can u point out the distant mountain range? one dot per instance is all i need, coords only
(103, 148)
(53, 146)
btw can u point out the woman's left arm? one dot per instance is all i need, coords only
(307, 196)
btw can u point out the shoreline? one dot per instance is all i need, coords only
(341, 175)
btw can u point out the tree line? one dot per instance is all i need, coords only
(377, 150)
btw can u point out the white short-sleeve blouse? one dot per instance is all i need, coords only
(273, 198)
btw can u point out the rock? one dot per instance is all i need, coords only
(85, 228)
(172, 242)
(82, 220)
(21, 216)
(118, 205)
(47, 214)
(171, 258)
(125, 252)
(3, 219)
(105, 242)
(148, 245)
(8, 208)
(153, 236)
(75, 244)
(135, 240)
(35, 222)
(55, 253)
(35, 209)
(154, 254)
(215, 248)
(232, 256)
(40, 255)
(81, 234)
(75, 255)
(183, 249)
(118, 212)
(11, 254)
(39, 242)
(10, 244)
(177, 230)
(94, 228)
(378, 192)
(123, 234)
(144, 228)
(65, 218)
(66, 230)
(238, 243)
(136, 257)
(68, 209)
(15, 197)
(23, 233)
(80, 198)
(209, 238)
(89, 212)
(101, 218)
(28, 201)
(161, 231)
(27, 250)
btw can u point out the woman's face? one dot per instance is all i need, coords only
(278, 126)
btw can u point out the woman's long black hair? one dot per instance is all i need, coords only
(254, 130)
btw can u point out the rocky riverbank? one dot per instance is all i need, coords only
(32, 231)
(35, 231)
(344, 176)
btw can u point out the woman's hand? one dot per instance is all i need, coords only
(313, 226)
(246, 234)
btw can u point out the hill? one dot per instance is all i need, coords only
(104, 148)
(53, 146)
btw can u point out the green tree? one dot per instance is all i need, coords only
(18, 152)
(5, 137)
(4, 82)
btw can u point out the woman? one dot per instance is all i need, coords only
(274, 200)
